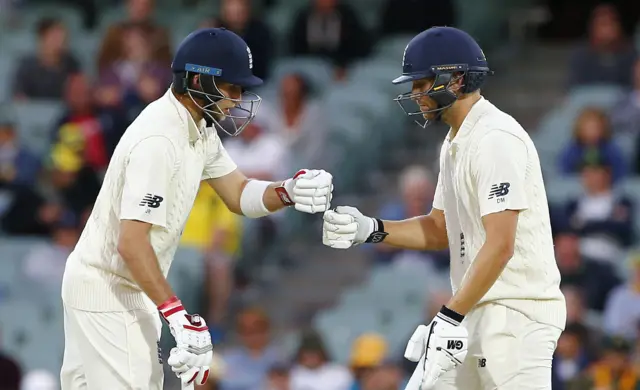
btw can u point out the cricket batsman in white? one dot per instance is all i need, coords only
(114, 287)
(501, 326)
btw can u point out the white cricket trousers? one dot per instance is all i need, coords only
(507, 351)
(111, 350)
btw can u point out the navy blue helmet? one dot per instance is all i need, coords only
(217, 54)
(444, 54)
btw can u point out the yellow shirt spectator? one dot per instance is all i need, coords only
(208, 216)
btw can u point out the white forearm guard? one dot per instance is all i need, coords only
(251, 202)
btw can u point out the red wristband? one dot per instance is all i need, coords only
(281, 191)
(170, 306)
(284, 195)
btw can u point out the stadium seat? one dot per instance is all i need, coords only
(18, 44)
(631, 188)
(187, 276)
(85, 47)
(562, 189)
(627, 143)
(111, 15)
(7, 67)
(379, 74)
(18, 320)
(555, 129)
(69, 15)
(36, 130)
(43, 346)
(603, 96)
(280, 19)
(340, 327)
(12, 252)
(391, 49)
(319, 72)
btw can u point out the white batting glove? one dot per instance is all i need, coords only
(309, 191)
(439, 347)
(193, 353)
(346, 226)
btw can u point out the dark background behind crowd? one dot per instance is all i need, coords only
(285, 312)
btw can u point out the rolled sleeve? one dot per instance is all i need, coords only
(499, 173)
(147, 180)
(218, 163)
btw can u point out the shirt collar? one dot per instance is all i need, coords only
(195, 130)
(477, 111)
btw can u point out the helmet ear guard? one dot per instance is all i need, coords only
(474, 80)
(179, 82)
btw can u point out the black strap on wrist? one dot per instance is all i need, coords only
(378, 235)
(450, 316)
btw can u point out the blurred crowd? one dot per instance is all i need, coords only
(51, 195)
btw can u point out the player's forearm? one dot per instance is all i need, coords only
(143, 264)
(419, 233)
(483, 273)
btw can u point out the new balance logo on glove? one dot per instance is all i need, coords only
(152, 201)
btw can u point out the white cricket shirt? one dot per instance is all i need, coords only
(492, 165)
(153, 176)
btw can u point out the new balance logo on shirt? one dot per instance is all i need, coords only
(152, 201)
(499, 190)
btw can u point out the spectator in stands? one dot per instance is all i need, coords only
(625, 116)
(414, 16)
(592, 134)
(330, 29)
(368, 352)
(246, 366)
(136, 78)
(18, 165)
(300, 119)
(86, 128)
(217, 232)
(217, 370)
(28, 213)
(42, 75)
(74, 183)
(314, 370)
(602, 219)
(211, 225)
(140, 13)
(635, 356)
(578, 313)
(236, 15)
(571, 356)
(577, 270)
(607, 57)
(385, 377)
(613, 371)
(622, 311)
(11, 373)
(262, 153)
(416, 196)
(44, 264)
(278, 378)
(436, 299)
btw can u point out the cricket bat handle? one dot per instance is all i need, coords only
(188, 386)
